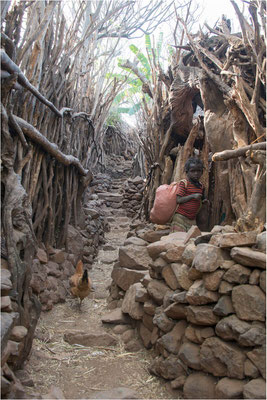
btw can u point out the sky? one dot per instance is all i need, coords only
(213, 9)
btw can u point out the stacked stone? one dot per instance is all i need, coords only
(201, 307)
(52, 268)
(133, 195)
(101, 183)
(12, 337)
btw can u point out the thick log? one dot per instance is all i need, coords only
(51, 148)
(228, 154)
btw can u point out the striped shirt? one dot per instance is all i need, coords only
(191, 207)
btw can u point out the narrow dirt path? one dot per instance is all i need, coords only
(79, 371)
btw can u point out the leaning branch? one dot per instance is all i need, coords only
(51, 148)
(228, 154)
(8, 65)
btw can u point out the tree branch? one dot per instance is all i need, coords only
(228, 154)
(49, 147)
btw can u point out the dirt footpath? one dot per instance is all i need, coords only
(79, 371)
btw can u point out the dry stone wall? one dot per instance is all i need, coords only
(197, 300)
(133, 196)
(49, 283)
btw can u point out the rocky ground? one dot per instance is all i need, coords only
(100, 361)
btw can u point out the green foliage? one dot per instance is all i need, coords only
(113, 118)
(142, 58)
(133, 92)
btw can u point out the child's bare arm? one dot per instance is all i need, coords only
(181, 200)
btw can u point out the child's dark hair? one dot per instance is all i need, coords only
(193, 161)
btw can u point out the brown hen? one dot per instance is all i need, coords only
(80, 282)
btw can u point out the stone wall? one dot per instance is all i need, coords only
(49, 284)
(132, 196)
(198, 301)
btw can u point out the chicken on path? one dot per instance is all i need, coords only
(80, 283)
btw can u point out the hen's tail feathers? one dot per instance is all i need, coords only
(85, 276)
(79, 267)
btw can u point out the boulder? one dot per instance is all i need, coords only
(258, 357)
(202, 315)
(237, 274)
(261, 242)
(250, 369)
(189, 354)
(199, 295)
(254, 277)
(163, 322)
(172, 340)
(141, 294)
(224, 306)
(199, 385)
(230, 328)
(222, 359)
(6, 305)
(194, 274)
(152, 236)
(148, 321)
(189, 254)
(198, 334)
(157, 290)
(174, 254)
(255, 389)
(193, 232)
(168, 368)
(234, 239)
(58, 257)
(8, 320)
(124, 277)
(165, 243)
(228, 388)
(18, 333)
(115, 317)
(225, 287)
(180, 297)
(6, 284)
(134, 257)
(130, 306)
(145, 335)
(179, 382)
(150, 307)
(181, 273)
(158, 265)
(135, 241)
(156, 248)
(248, 257)
(42, 256)
(249, 302)
(263, 281)
(176, 311)
(208, 257)
(169, 277)
(212, 280)
(53, 269)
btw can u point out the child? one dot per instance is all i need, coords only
(190, 196)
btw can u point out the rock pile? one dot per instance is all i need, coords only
(199, 302)
(12, 336)
(133, 195)
(52, 268)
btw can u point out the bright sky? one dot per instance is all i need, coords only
(213, 10)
